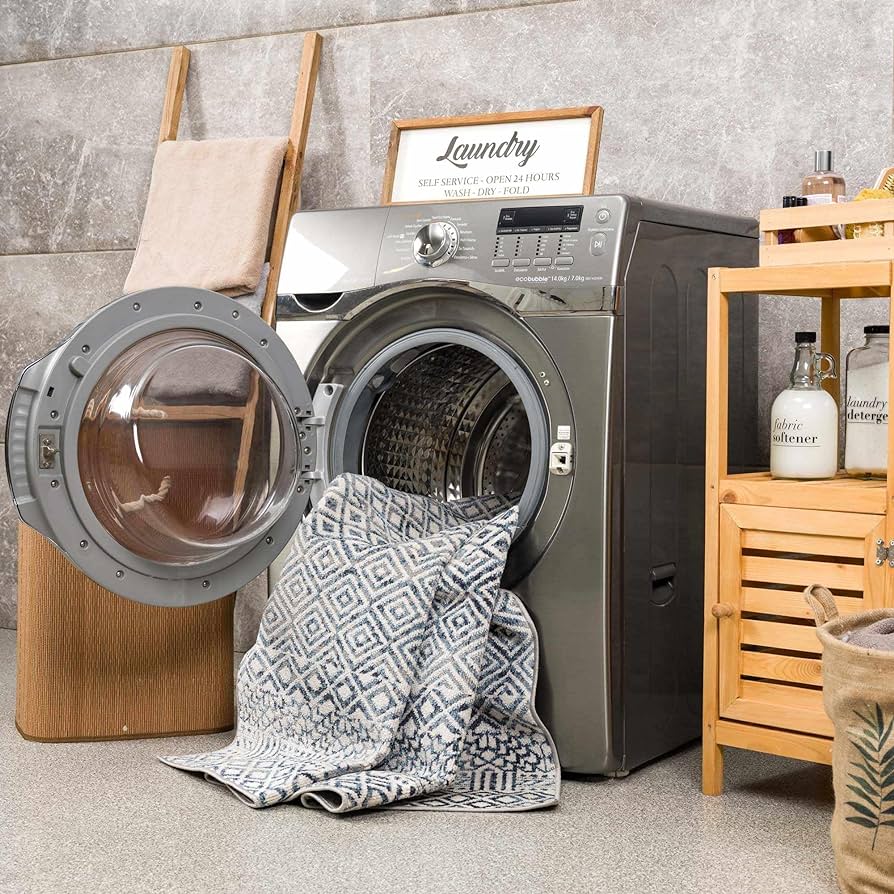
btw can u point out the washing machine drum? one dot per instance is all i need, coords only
(450, 424)
(165, 446)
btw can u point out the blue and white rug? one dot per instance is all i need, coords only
(390, 668)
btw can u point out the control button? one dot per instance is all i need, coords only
(574, 229)
(435, 243)
(500, 262)
(521, 262)
(603, 215)
(597, 244)
(564, 261)
(504, 231)
(542, 262)
(572, 215)
(507, 215)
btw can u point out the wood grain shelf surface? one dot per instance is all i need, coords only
(841, 494)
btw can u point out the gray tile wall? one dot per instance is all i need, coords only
(707, 103)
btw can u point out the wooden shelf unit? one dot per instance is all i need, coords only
(766, 540)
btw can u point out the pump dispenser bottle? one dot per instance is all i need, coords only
(804, 418)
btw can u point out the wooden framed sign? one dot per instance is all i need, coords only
(547, 152)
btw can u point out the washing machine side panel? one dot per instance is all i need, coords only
(567, 592)
(661, 599)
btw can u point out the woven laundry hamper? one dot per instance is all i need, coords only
(858, 692)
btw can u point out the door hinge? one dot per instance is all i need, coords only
(884, 553)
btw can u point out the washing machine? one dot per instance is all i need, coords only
(550, 351)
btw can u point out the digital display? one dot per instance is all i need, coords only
(540, 219)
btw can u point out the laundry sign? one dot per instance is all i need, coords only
(548, 152)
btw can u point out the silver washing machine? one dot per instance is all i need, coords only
(551, 351)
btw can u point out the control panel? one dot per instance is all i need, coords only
(546, 243)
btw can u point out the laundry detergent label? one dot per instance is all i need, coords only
(868, 410)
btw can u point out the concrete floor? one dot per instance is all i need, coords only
(109, 817)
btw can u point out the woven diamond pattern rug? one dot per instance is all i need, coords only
(390, 668)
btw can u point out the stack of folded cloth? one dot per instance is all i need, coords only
(878, 635)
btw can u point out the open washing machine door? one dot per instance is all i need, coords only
(167, 447)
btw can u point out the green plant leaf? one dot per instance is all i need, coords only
(862, 808)
(860, 793)
(862, 765)
(886, 735)
(863, 751)
(867, 786)
(872, 783)
(867, 720)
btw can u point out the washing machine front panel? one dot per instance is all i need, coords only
(166, 447)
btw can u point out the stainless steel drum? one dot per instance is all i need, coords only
(448, 423)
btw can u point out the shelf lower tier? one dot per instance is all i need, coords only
(841, 494)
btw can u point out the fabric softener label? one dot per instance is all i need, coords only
(789, 431)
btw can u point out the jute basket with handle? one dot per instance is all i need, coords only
(858, 692)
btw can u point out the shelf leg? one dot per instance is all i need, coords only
(830, 341)
(712, 763)
(716, 431)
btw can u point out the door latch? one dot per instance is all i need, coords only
(48, 449)
(884, 553)
(561, 458)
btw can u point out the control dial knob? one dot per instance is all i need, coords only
(435, 243)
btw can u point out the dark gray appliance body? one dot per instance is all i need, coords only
(604, 354)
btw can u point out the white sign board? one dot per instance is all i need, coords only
(502, 159)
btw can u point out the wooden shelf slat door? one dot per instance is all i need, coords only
(769, 660)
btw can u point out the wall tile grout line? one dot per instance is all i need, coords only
(332, 27)
(73, 251)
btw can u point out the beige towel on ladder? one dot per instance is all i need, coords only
(208, 215)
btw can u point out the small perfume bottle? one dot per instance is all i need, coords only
(804, 418)
(823, 185)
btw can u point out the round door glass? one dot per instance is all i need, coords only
(186, 449)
